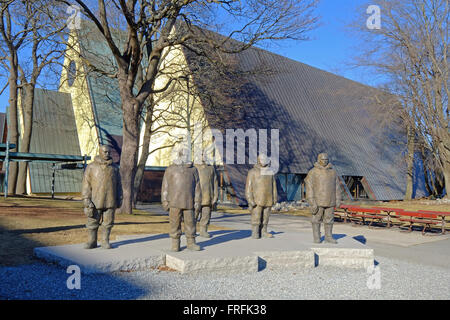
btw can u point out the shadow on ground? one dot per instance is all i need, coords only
(24, 277)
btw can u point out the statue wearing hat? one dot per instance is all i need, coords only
(101, 192)
(323, 195)
(261, 194)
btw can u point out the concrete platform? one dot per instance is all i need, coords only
(123, 256)
(347, 253)
(227, 251)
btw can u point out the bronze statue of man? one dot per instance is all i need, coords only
(181, 195)
(210, 194)
(101, 192)
(323, 194)
(261, 194)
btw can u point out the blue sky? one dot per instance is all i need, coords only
(330, 48)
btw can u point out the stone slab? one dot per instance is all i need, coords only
(228, 251)
(125, 255)
(347, 253)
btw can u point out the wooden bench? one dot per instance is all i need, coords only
(426, 219)
(345, 214)
(391, 212)
(367, 213)
(440, 214)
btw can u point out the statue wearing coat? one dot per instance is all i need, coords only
(101, 192)
(210, 194)
(261, 194)
(323, 194)
(181, 195)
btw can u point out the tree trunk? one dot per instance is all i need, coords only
(27, 111)
(444, 152)
(144, 154)
(410, 163)
(13, 128)
(447, 181)
(138, 181)
(129, 155)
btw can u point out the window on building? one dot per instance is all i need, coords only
(71, 73)
(356, 187)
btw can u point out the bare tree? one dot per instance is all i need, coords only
(411, 51)
(46, 46)
(150, 25)
(12, 40)
(31, 41)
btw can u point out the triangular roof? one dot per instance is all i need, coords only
(54, 132)
(314, 110)
(103, 91)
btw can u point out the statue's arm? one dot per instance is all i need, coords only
(216, 187)
(198, 192)
(249, 190)
(338, 192)
(86, 188)
(119, 193)
(310, 193)
(274, 189)
(165, 190)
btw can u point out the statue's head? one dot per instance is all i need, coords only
(263, 160)
(323, 159)
(105, 152)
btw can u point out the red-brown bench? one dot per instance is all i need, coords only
(440, 214)
(356, 213)
(345, 215)
(391, 212)
(427, 219)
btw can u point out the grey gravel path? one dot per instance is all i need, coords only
(399, 280)
(414, 272)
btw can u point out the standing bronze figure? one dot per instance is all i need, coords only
(181, 195)
(323, 194)
(101, 193)
(210, 195)
(261, 194)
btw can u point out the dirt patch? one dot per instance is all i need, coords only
(165, 268)
(29, 223)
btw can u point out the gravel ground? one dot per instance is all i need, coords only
(399, 280)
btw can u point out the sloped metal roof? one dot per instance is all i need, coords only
(316, 111)
(54, 132)
(103, 90)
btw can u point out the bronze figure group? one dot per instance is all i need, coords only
(190, 193)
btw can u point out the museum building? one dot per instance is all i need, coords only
(313, 110)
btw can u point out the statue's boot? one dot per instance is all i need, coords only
(92, 239)
(191, 245)
(264, 232)
(255, 232)
(203, 232)
(329, 234)
(175, 245)
(105, 239)
(316, 232)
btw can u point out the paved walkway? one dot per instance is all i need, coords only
(431, 249)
